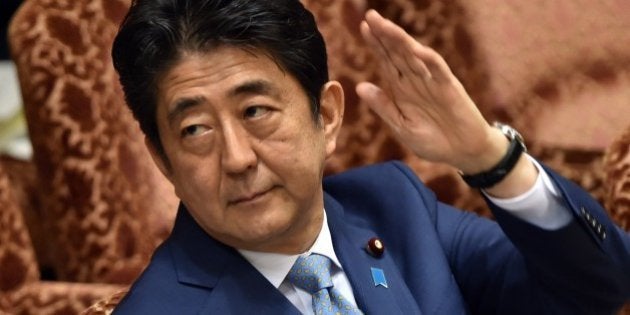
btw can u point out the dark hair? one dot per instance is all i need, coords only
(155, 33)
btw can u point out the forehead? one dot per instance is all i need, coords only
(216, 73)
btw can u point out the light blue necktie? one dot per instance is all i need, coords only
(312, 274)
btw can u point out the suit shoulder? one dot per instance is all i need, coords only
(379, 178)
(154, 291)
(390, 189)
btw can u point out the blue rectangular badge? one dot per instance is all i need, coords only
(379, 277)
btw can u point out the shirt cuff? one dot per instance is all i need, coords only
(541, 205)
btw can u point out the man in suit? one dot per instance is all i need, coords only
(240, 116)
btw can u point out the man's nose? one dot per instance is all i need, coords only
(238, 155)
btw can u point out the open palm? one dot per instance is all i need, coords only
(423, 102)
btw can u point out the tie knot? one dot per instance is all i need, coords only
(311, 273)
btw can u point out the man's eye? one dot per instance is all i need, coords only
(193, 130)
(255, 111)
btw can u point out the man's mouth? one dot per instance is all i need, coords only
(250, 197)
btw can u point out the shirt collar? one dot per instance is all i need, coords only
(275, 267)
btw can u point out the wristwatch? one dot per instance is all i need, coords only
(493, 176)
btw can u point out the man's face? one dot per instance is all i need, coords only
(244, 153)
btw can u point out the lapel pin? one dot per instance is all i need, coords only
(375, 247)
(379, 277)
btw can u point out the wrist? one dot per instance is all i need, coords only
(491, 153)
(521, 179)
(491, 176)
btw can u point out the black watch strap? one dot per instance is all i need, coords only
(493, 176)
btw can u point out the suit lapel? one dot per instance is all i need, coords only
(234, 286)
(350, 242)
(243, 290)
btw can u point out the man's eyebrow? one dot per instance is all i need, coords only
(255, 87)
(182, 105)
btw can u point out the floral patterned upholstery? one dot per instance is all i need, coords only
(617, 179)
(21, 290)
(18, 264)
(104, 204)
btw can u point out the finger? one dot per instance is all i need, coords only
(398, 45)
(435, 63)
(379, 102)
(382, 55)
(404, 48)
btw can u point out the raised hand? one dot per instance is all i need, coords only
(424, 103)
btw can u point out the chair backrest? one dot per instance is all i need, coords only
(105, 204)
(617, 167)
(18, 265)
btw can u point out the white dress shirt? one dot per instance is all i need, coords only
(275, 267)
(540, 206)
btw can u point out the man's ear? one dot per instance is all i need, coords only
(158, 159)
(331, 113)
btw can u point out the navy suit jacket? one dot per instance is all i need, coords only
(438, 260)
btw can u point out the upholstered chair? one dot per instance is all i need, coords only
(617, 178)
(21, 289)
(617, 184)
(18, 265)
(104, 203)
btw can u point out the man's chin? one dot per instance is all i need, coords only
(272, 239)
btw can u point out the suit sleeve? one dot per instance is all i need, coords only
(519, 268)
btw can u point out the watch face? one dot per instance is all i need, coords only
(511, 133)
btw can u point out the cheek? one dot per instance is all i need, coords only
(299, 162)
(297, 152)
(307, 136)
(196, 181)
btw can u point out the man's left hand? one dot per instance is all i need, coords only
(424, 103)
